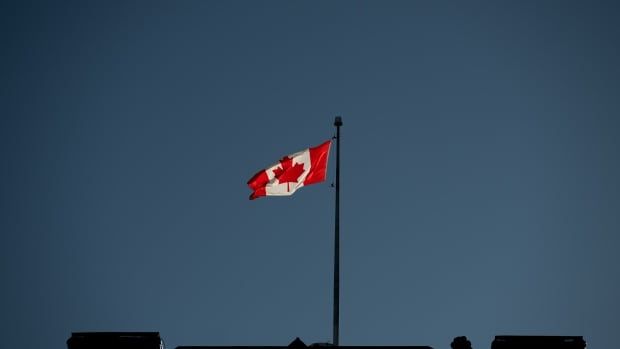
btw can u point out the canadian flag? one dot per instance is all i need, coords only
(306, 167)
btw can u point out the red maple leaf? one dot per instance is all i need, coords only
(287, 172)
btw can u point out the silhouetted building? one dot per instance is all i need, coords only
(299, 344)
(542, 342)
(115, 340)
(152, 340)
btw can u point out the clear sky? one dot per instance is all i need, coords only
(480, 170)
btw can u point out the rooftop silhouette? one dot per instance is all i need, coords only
(152, 340)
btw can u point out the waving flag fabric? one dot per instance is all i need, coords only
(292, 172)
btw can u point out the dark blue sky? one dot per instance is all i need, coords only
(480, 171)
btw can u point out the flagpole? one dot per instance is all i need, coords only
(337, 123)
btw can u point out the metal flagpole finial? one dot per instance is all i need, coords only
(338, 121)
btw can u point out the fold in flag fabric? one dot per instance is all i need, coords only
(294, 171)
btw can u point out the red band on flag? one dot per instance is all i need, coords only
(318, 158)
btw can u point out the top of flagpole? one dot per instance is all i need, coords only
(338, 121)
